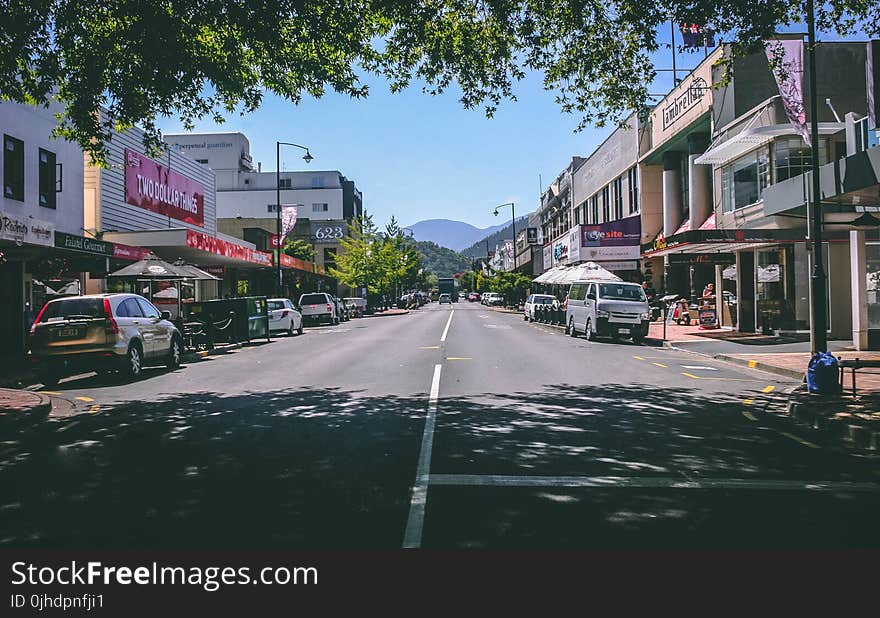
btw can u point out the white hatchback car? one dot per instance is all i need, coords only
(283, 317)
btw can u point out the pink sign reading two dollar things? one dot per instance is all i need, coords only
(157, 188)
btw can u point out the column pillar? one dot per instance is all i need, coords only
(719, 295)
(671, 192)
(699, 181)
(858, 277)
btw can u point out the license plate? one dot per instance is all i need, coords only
(69, 333)
(623, 331)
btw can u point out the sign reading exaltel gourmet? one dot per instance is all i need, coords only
(614, 240)
(155, 187)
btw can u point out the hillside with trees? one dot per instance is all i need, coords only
(441, 261)
(478, 249)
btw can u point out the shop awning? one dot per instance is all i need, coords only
(719, 241)
(753, 137)
(565, 275)
(196, 248)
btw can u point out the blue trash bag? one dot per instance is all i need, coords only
(823, 374)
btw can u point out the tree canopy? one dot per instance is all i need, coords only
(197, 58)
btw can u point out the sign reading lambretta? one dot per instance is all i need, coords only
(157, 188)
(683, 102)
(26, 230)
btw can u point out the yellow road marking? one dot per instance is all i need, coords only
(638, 357)
(458, 358)
(753, 364)
(749, 416)
(49, 392)
(429, 347)
(86, 399)
(94, 408)
(690, 375)
(660, 365)
(748, 402)
(800, 440)
(768, 389)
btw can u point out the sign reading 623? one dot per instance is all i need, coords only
(329, 233)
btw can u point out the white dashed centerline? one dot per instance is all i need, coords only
(413, 535)
(446, 330)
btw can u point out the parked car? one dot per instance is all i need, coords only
(607, 308)
(473, 297)
(358, 306)
(494, 299)
(102, 332)
(532, 301)
(318, 308)
(445, 298)
(283, 317)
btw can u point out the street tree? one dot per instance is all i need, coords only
(299, 249)
(357, 260)
(209, 58)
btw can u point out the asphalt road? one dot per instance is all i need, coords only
(450, 426)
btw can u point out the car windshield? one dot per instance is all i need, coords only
(621, 291)
(73, 308)
(313, 299)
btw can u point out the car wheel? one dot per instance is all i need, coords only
(174, 354)
(588, 329)
(638, 339)
(133, 362)
(572, 331)
(525, 318)
(290, 330)
(299, 331)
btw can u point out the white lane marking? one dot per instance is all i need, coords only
(647, 482)
(703, 367)
(498, 326)
(412, 537)
(446, 330)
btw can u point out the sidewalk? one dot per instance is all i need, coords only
(387, 312)
(17, 401)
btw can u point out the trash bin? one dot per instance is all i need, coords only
(823, 374)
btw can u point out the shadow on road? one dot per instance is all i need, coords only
(325, 468)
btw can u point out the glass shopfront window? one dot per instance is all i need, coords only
(872, 257)
(743, 181)
(792, 157)
(774, 287)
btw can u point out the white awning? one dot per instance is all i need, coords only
(753, 137)
(564, 275)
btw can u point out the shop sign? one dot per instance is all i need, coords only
(548, 257)
(574, 244)
(613, 240)
(660, 242)
(218, 246)
(621, 265)
(679, 105)
(532, 235)
(127, 252)
(26, 230)
(217, 271)
(327, 232)
(560, 252)
(155, 187)
(86, 245)
(288, 261)
(721, 259)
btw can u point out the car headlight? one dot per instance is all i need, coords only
(602, 314)
(645, 316)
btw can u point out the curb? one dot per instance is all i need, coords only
(854, 435)
(42, 406)
(751, 364)
(386, 315)
(191, 357)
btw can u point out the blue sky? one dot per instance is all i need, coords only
(422, 157)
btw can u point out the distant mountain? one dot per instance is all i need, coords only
(441, 261)
(455, 235)
(478, 249)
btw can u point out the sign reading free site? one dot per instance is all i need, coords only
(157, 188)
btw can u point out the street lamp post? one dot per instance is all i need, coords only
(513, 221)
(308, 159)
(819, 323)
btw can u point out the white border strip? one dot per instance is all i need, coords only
(646, 482)
(446, 330)
(413, 535)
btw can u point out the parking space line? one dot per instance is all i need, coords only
(646, 482)
(459, 358)
(660, 365)
(748, 402)
(446, 330)
(429, 347)
(412, 537)
(86, 399)
(749, 415)
(49, 392)
(638, 357)
(767, 389)
(94, 408)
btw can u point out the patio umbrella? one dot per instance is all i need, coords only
(151, 267)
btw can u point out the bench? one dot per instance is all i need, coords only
(855, 364)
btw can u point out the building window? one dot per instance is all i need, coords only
(792, 157)
(272, 207)
(13, 168)
(743, 181)
(284, 183)
(319, 208)
(202, 161)
(633, 190)
(48, 179)
(594, 209)
(618, 198)
(606, 203)
(577, 216)
(317, 182)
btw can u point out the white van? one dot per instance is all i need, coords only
(607, 308)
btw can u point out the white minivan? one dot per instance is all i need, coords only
(607, 308)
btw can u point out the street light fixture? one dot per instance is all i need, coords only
(308, 159)
(513, 221)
